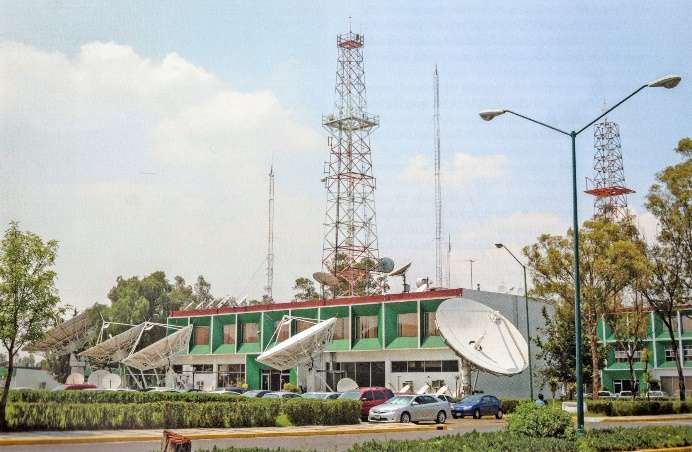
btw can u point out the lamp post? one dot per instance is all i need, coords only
(668, 82)
(528, 325)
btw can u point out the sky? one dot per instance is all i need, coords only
(140, 134)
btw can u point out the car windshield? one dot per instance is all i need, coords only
(472, 399)
(350, 395)
(399, 400)
(312, 395)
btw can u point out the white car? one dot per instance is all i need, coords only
(411, 408)
(625, 395)
(657, 395)
(606, 395)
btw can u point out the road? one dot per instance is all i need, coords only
(322, 443)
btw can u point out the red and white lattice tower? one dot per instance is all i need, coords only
(349, 247)
(608, 184)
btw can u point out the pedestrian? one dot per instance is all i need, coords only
(540, 401)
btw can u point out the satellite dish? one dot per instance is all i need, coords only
(405, 388)
(423, 284)
(74, 379)
(111, 381)
(384, 265)
(96, 377)
(482, 336)
(301, 348)
(401, 271)
(242, 301)
(423, 389)
(442, 390)
(346, 384)
(326, 279)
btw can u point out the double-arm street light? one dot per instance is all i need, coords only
(528, 325)
(669, 81)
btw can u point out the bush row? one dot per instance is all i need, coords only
(42, 396)
(178, 414)
(618, 439)
(637, 407)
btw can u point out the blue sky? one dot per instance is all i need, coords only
(85, 123)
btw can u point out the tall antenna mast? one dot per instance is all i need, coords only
(438, 186)
(608, 184)
(270, 239)
(349, 247)
(449, 260)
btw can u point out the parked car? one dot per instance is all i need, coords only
(411, 408)
(281, 395)
(79, 387)
(159, 389)
(226, 391)
(256, 393)
(369, 397)
(657, 395)
(606, 395)
(625, 395)
(478, 406)
(332, 395)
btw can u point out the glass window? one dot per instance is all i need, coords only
(250, 332)
(428, 399)
(379, 395)
(621, 355)
(229, 333)
(377, 373)
(205, 368)
(366, 327)
(340, 328)
(363, 374)
(367, 395)
(670, 355)
(283, 332)
(201, 335)
(415, 366)
(430, 326)
(686, 320)
(687, 352)
(231, 375)
(433, 366)
(399, 366)
(302, 325)
(450, 366)
(407, 325)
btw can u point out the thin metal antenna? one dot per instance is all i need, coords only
(438, 186)
(471, 261)
(449, 261)
(270, 239)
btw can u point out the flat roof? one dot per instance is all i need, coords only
(345, 301)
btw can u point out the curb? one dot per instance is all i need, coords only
(661, 418)
(670, 449)
(35, 441)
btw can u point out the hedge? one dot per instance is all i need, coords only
(178, 414)
(637, 407)
(42, 396)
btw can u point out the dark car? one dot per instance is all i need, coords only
(369, 397)
(256, 393)
(477, 406)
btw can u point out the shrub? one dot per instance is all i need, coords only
(42, 396)
(637, 407)
(290, 387)
(540, 421)
(322, 412)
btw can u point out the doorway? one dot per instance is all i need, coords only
(274, 380)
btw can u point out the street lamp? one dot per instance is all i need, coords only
(668, 82)
(526, 299)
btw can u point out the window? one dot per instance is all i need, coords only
(250, 333)
(415, 366)
(302, 325)
(399, 366)
(340, 328)
(687, 352)
(428, 399)
(201, 335)
(433, 366)
(283, 332)
(365, 373)
(621, 355)
(450, 366)
(407, 325)
(203, 368)
(430, 325)
(231, 375)
(229, 333)
(670, 355)
(686, 320)
(366, 327)
(379, 395)
(367, 395)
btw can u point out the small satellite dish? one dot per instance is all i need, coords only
(346, 384)
(405, 388)
(384, 265)
(326, 279)
(96, 377)
(423, 389)
(482, 336)
(242, 301)
(74, 379)
(423, 284)
(111, 381)
(442, 390)
(401, 271)
(301, 348)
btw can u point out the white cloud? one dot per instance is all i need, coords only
(462, 171)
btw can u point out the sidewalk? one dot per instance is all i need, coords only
(108, 436)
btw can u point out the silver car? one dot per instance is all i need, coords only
(411, 408)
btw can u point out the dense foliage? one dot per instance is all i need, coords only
(637, 407)
(535, 421)
(42, 396)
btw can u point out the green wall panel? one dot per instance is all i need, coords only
(391, 311)
(268, 325)
(217, 336)
(370, 343)
(340, 312)
(176, 321)
(253, 347)
(310, 313)
(199, 349)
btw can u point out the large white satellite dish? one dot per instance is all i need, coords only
(346, 384)
(482, 336)
(74, 379)
(301, 348)
(111, 381)
(97, 377)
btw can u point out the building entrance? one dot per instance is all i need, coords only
(274, 380)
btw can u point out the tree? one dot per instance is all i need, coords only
(29, 303)
(629, 327)
(670, 283)
(58, 365)
(305, 289)
(612, 258)
(202, 292)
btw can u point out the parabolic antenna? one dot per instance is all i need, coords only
(346, 384)
(66, 337)
(97, 377)
(401, 270)
(116, 348)
(160, 352)
(301, 348)
(74, 379)
(384, 265)
(482, 336)
(111, 381)
(326, 279)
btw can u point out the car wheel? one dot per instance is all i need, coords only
(405, 418)
(476, 413)
(499, 414)
(455, 416)
(441, 417)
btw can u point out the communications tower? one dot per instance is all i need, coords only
(269, 289)
(349, 248)
(438, 185)
(608, 185)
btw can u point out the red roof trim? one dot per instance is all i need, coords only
(432, 294)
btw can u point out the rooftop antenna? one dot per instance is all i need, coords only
(270, 239)
(471, 261)
(449, 261)
(438, 186)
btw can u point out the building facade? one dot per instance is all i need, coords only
(615, 375)
(380, 340)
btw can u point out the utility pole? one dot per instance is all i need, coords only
(471, 261)
(270, 239)
(449, 260)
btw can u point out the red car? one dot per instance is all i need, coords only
(369, 397)
(78, 387)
